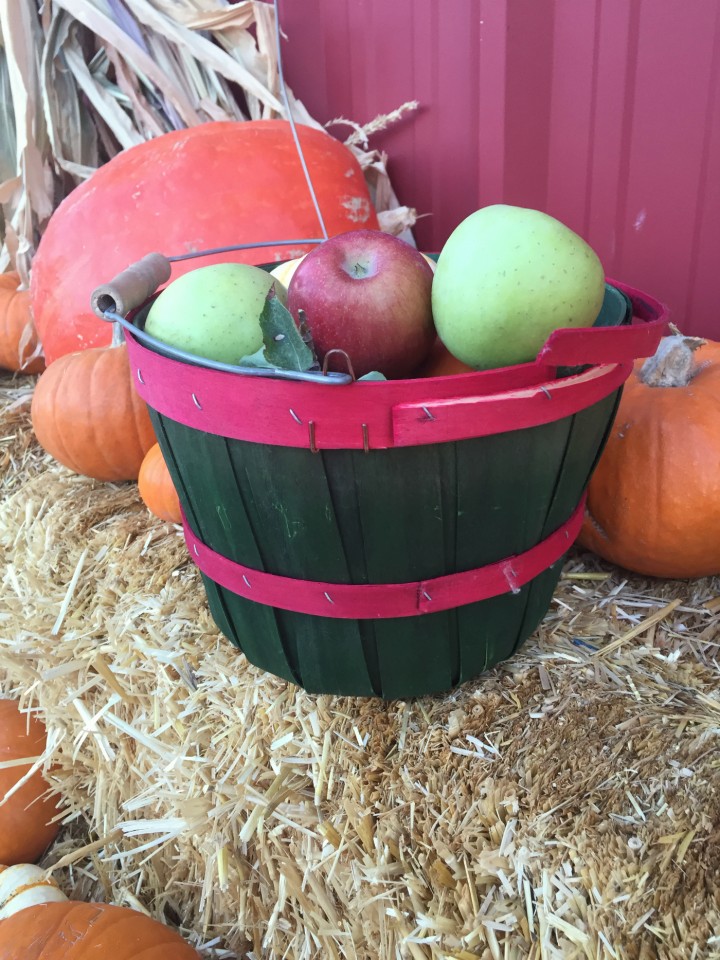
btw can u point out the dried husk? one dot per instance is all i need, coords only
(81, 80)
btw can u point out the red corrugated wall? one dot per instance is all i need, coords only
(604, 113)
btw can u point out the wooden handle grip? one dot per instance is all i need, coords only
(132, 287)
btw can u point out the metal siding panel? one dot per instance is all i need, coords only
(604, 113)
(528, 85)
(666, 153)
(572, 113)
(612, 90)
(490, 112)
(704, 286)
(455, 155)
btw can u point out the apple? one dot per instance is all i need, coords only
(214, 311)
(284, 271)
(506, 278)
(367, 293)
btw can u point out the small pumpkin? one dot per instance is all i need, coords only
(156, 487)
(20, 349)
(70, 930)
(654, 499)
(87, 415)
(26, 827)
(441, 363)
(24, 885)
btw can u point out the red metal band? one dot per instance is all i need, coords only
(385, 600)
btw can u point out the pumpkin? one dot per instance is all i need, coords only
(211, 185)
(25, 816)
(19, 346)
(87, 415)
(25, 885)
(654, 499)
(71, 930)
(441, 363)
(156, 487)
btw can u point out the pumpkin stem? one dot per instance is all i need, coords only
(673, 364)
(118, 335)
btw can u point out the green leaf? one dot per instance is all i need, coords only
(373, 375)
(256, 359)
(284, 347)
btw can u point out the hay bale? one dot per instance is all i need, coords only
(564, 805)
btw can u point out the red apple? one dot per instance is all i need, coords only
(367, 293)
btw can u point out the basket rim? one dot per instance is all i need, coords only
(381, 414)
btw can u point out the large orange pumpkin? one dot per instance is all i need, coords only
(19, 346)
(25, 817)
(654, 500)
(156, 487)
(208, 186)
(87, 414)
(88, 931)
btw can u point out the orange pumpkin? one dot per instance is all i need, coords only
(88, 931)
(88, 416)
(156, 487)
(24, 885)
(25, 818)
(180, 192)
(654, 499)
(19, 345)
(441, 363)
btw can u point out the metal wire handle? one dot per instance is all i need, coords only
(113, 301)
(175, 353)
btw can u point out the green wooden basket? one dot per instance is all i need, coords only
(313, 511)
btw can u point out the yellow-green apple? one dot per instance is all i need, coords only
(367, 293)
(506, 278)
(214, 311)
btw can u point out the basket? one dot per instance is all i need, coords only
(389, 538)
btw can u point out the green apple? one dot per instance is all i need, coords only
(214, 311)
(506, 278)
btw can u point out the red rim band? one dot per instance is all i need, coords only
(385, 600)
(399, 413)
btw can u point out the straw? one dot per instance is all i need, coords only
(562, 806)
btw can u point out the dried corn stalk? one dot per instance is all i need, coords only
(81, 80)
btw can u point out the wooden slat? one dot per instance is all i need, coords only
(290, 506)
(400, 505)
(208, 488)
(505, 483)
(586, 437)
